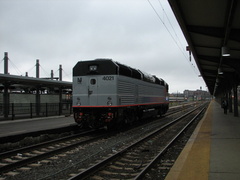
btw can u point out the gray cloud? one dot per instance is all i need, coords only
(64, 32)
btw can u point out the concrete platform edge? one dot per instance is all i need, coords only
(181, 168)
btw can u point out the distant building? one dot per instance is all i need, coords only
(176, 97)
(189, 95)
(197, 95)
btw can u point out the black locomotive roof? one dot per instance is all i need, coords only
(110, 67)
(104, 67)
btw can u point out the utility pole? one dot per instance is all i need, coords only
(37, 68)
(37, 99)
(5, 63)
(52, 75)
(6, 87)
(60, 72)
(60, 90)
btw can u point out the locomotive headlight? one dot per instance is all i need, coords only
(78, 101)
(109, 102)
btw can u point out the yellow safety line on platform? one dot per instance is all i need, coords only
(194, 161)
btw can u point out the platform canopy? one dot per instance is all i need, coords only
(30, 81)
(209, 27)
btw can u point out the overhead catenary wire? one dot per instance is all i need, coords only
(46, 73)
(55, 72)
(29, 70)
(15, 67)
(170, 23)
(165, 27)
(175, 41)
(65, 73)
(1, 61)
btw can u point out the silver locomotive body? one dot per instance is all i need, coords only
(109, 93)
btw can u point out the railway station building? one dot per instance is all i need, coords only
(23, 96)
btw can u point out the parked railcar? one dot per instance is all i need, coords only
(107, 93)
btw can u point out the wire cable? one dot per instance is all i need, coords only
(15, 67)
(171, 33)
(44, 71)
(170, 23)
(29, 70)
(165, 26)
(65, 73)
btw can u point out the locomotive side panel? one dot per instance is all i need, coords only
(138, 92)
(126, 91)
(151, 94)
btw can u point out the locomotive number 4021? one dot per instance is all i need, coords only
(108, 78)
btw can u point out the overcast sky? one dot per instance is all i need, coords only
(140, 33)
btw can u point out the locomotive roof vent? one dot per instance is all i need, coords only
(100, 59)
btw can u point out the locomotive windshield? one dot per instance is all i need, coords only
(93, 68)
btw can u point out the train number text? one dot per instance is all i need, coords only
(108, 78)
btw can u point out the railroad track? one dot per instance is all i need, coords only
(35, 154)
(133, 161)
(50, 132)
(15, 162)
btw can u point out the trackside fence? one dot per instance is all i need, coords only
(31, 110)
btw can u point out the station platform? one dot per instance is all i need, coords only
(213, 151)
(15, 127)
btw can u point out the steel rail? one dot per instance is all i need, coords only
(27, 148)
(149, 166)
(46, 154)
(96, 166)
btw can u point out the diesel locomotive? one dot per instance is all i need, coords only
(108, 93)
